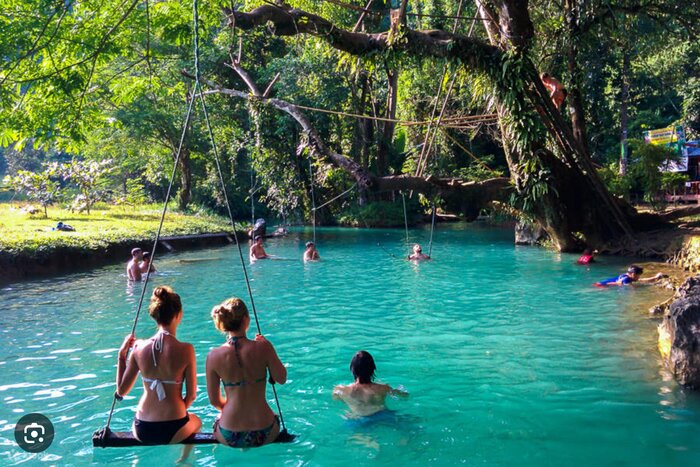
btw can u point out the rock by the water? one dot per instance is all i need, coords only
(679, 334)
(529, 234)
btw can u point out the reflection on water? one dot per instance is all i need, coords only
(509, 354)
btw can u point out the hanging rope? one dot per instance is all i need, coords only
(339, 196)
(157, 239)
(313, 200)
(432, 229)
(228, 204)
(405, 221)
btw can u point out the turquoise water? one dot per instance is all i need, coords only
(509, 354)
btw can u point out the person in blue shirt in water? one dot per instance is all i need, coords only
(633, 274)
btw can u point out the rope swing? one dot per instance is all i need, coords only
(104, 437)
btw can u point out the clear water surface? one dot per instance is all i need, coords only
(510, 356)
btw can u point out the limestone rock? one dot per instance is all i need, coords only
(679, 334)
(527, 233)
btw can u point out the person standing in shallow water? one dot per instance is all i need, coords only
(311, 253)
(133, 267)
(161, 416)
(257, 251)
(364, 397)
(241, 365)
(417, 254)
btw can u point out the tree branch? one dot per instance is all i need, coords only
(475, 194)
(286, 21)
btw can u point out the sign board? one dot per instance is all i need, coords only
(672, 137)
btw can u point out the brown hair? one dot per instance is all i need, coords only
(165, 305)
(228, 316)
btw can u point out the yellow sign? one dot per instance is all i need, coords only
(661, 136)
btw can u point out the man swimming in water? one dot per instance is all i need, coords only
(364, 397)
(417, 254)
(256, 249)
(133, 267)
(632, 275)
(311, 253)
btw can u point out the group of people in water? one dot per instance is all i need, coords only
(139, 264)
(257, 251)
(240, 365)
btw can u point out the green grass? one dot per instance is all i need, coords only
(28, 235)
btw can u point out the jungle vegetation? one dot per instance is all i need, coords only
(442, 99)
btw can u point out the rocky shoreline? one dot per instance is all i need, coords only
(679, 334)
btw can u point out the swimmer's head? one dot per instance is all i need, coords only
(587, 252)
(310, 244)
(136, 252)
(258, 238)
(544, 76)
(635, 270)
(230, 315)
(417, 248)
(146, 256)
(165, 305)
(362, 367)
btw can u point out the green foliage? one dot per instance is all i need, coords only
(617, 184)
(644, 169)
(672, 181)
(88, 176)
(27, 237)
(42, 187)
(381, 214)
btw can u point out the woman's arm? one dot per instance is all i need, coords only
(653, 278)
(127, 371)
(214, 385)
(278, 372)
(190, 377)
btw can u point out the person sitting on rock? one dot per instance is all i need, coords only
(417, 254)
(632, 275)
(557, 92)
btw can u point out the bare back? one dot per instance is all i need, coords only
(172, 363)
(363, 399)
(245, 406)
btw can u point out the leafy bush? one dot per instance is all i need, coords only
(381, 214)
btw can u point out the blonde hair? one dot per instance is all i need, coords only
(228, 316)
(165, 305)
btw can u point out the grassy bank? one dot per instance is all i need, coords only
(31, 236)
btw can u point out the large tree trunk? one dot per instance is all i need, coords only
(624, 102)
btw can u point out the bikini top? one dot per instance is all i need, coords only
(233, 340)
(157, 384)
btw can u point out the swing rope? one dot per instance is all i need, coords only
(313, 199)
(405, 221)
(157, 239)
(228, 204)
(339, 196)
(432, 229)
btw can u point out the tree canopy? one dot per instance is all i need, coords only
(424, 94)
